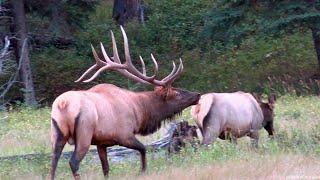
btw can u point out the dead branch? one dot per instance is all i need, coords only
(6, 87)
(4, 53)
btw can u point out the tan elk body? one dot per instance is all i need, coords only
(220, 114)
(107, 115)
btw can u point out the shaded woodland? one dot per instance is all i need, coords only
(251, 45)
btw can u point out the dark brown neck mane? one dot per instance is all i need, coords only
(155, 110)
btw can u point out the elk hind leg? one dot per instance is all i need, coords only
(82, 143)
(210, 133)
(211, 130)
(58, 142)
(133, 143)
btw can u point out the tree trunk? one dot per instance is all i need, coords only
(124, 10)
(59, 25)
(316, 40)
(23, 53)
(132, 7)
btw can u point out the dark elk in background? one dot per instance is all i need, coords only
(107, 115)
(183, 134)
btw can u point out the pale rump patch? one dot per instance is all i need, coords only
(195, 110)
(200, 110)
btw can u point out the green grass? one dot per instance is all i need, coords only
(297, 138)
(25, 131)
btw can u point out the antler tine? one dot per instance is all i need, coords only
(108, 65)
(112, 65)
(170, 80)
(156, 67)
(115, 49)
(99, 64)
(117, 60)
(104, 53)
(97, 73)
(172, 72)
(129, 64)
(179, 71)
(144, 72)
(126, 48)
(94, 67)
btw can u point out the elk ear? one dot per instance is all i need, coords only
(165, 93)
(272, 98)
(161, 91)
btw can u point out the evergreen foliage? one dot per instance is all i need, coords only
(225, 45)
(232, 21)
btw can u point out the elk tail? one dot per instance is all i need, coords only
(62, 104)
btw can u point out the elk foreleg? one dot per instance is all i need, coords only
(133, 143)
(102, 151)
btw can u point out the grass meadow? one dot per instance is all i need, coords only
(294, 153)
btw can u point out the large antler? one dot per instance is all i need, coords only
(127, 69)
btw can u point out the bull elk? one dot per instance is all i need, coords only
(107, 115)
(235, 114)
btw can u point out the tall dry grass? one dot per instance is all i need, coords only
(284, 166)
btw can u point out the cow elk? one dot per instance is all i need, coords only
(235, 115)
(107, 115)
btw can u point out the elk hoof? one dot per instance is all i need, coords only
(76, 176)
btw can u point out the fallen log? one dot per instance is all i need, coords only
(113, 152)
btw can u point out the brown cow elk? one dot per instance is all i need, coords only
(107, 115)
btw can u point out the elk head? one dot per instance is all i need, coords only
(268, 112)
